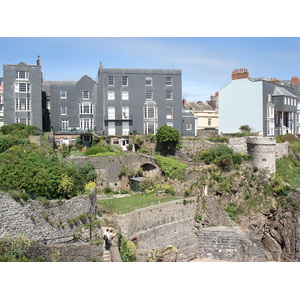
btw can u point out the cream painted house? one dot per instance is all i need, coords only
(207, 115)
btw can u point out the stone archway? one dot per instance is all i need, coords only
(150, 169)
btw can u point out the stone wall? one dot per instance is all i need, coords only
(281, 149)
(75, 252)
(262, 152)
(238, 144)
(108, 169)
(40, 222)
(165, 224)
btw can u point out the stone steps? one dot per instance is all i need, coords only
(227, 243)
(106, 256)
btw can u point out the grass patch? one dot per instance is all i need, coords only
(289, 170)
(125, 205)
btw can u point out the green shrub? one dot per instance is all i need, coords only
(170, 167)
(95, 150)
(232, 211)
(127, 250)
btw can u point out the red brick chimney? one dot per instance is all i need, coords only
(295, 80)
(239, 74)
(38, 61)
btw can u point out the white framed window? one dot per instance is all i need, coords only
(149, 81)
(270, 112)
(269, 97)
(298, 117)
(125, 95)
(63, 94)
(124, 80)
(150, 111)
(1, 99)
(111, 128)
(125, 128)
(188, 126)
(149, 95)
(64, 124)
(111, 112)
(169, 81)
(150, 127)
(169, 112)
(86, 108)
(86, 124)
(169, 95)
(22, 87)
(22, 75)
(169, 123)
(270, 128)
(111, 80)
(22, 104)
(85, 95)
(110, 95)
(26, 121)
(63, 110)
(125, 112)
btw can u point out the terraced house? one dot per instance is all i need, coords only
(119, 103)
(268, 106)
(22, 95)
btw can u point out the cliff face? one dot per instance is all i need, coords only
(258, 205)
(278, 231)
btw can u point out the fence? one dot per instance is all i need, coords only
(144, 204)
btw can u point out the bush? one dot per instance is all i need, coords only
(127, 250)
(222, 156)
(170, 167)
(26, 167)
(95, 150)
(168, 137)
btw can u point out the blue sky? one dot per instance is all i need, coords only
(206, 62)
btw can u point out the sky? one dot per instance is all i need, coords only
(206, 62)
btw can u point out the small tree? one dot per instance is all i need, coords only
(168, 137)
(245, 129)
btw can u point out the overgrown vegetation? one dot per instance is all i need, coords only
(103, 150)
(171, 167)
(169, 138)
(127, 250)
(14, 249)
(222, 156)
(37, 171)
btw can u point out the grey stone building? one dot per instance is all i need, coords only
(22, 94)
(119, 103)
(142, 100)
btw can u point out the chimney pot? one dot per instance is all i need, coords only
(295, 80)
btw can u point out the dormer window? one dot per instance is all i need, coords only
(85, 95)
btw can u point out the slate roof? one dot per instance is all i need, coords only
(281, 91)
(198, 106)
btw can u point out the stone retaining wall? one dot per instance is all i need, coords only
(109, 168)
(40, 222)
(162, 225)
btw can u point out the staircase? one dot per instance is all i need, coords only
(106, 256)
(228, 244)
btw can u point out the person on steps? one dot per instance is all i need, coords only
(106, 237)
(110, 238)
